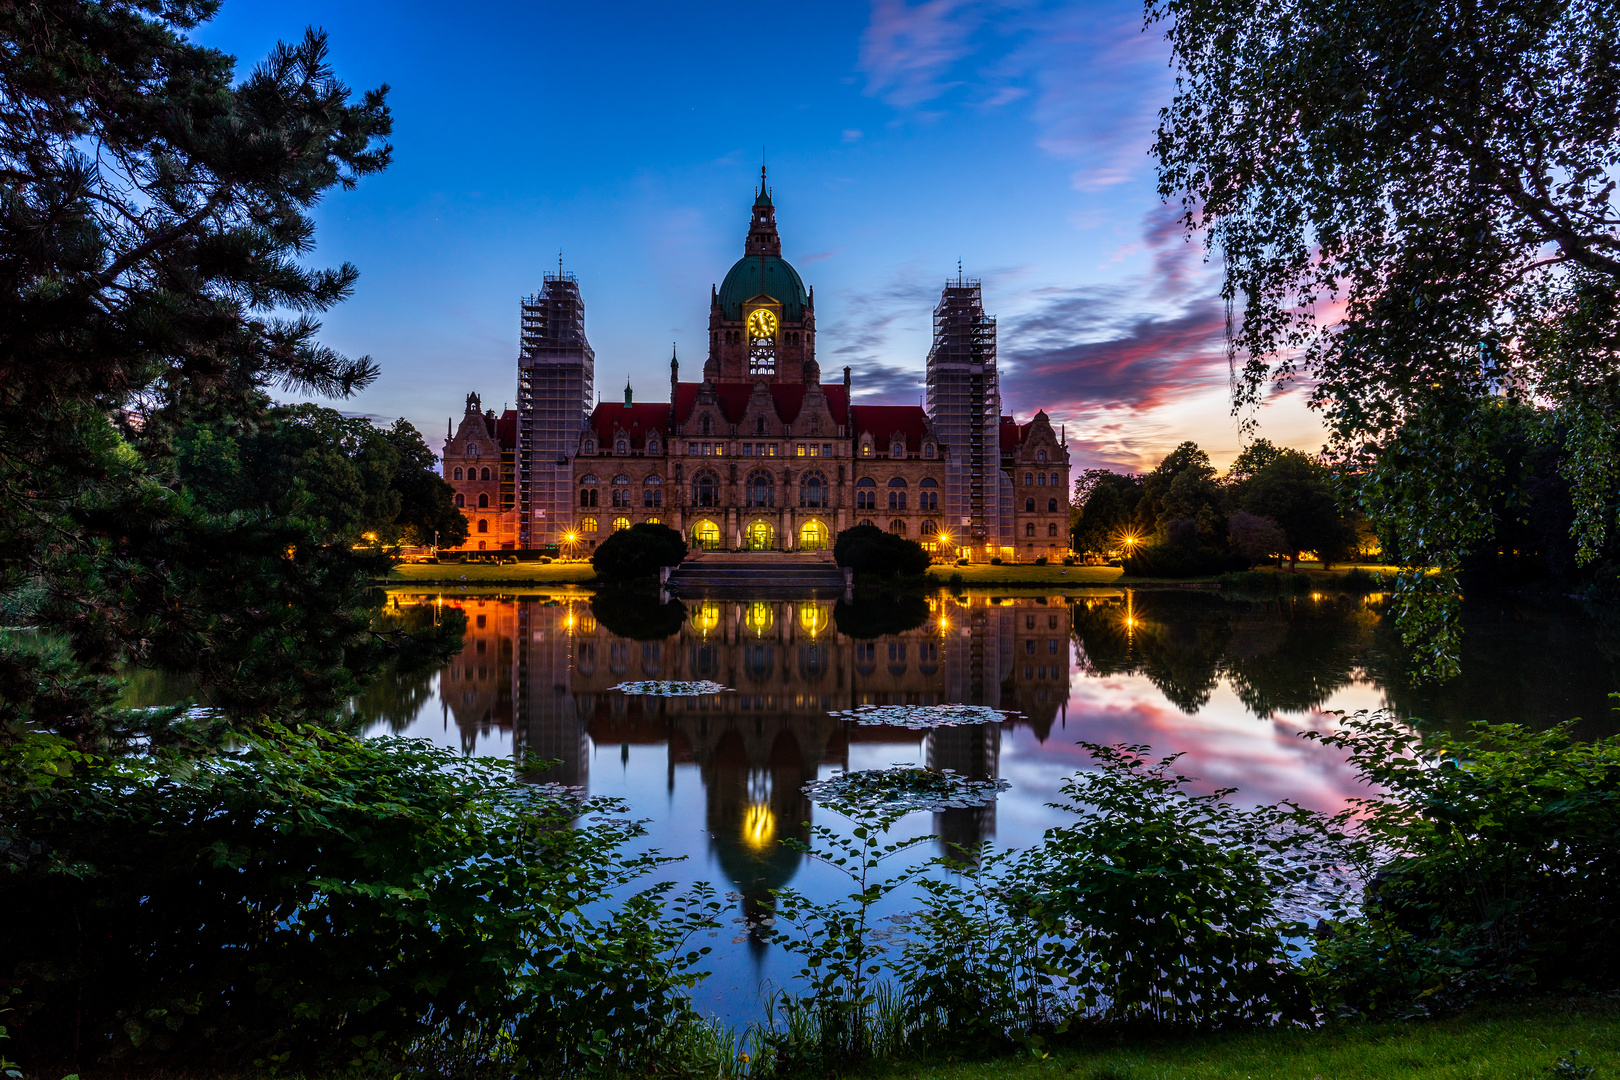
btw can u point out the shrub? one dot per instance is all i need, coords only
(1498, 866)
(1041, 561)
(1069, 560)
(336, 901)
(867, 549)
(1177, 560)
(995, 561)
(638, 552)
(961, 562)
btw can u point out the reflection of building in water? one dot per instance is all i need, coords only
(543, 668)
(475, 687)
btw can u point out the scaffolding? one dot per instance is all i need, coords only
(964, 403)
(556, 382)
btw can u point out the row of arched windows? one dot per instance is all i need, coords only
(483, 501)
(472, 474)
(1051, 528)
(1051, 506)
(1041, 478)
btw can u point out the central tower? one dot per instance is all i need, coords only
(762, 321)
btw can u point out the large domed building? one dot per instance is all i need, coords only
(760, 454)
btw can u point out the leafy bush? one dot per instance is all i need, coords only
(1041, 561)
(1497, 866)
(867, 549)
(638, 552)
(995, 561)
(1177, 560)
(316, 899)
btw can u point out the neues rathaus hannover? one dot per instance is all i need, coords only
(762, 454)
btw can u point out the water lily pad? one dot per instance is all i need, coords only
(672, 687)
(905, 788)
(924, 717)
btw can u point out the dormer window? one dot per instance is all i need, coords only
(866, 449)
(623, 447)
(1040, 455)
(928, 450)
(898, 449)
(472, 449)
(590, 446)
(652, 446)
(708, 425)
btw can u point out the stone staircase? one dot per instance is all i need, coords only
(762, 573)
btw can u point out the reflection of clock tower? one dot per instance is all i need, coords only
(762, 322)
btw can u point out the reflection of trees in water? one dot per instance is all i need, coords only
(394, 699)
(1535, 663)
(1288, 654)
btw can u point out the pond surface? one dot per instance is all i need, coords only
(1230, 683)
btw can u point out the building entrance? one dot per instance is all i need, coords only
(760, 536)
(707, 535)
(812, 536)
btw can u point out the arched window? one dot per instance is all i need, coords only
(620, 524)
(461, 500)
(897, 481)
(652, 446)
(812, 490)
(897, 449)
(705, 489)
(897, 499)
(928, 450)
(1040, 455)
(928, 528)
(483, 474)
(458, 472)
(865, 494)
(1029, 506)
(483, 525)
(1051, 529)
(621, 481)
(1051, 506)
(866, 449)
(708, 425)
(928, 497)
(587, 524)
(1029, 528)
(472, 449)
(652, 492)
(590, 446)
(707, 535)
(483, 501)
(1054, 479)
(866, 521)
(761, 490)
(1029, 478)
(1040, 478)
(898, 527)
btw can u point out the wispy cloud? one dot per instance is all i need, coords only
(909, 50)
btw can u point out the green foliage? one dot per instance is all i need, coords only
(1296, 494)
(1436, 177)
(427, 509)
(867, 549)
(1498, 856)
(638, 552)
(1108, 503)
(1182, 487)
(1172, 560)
(314, 899)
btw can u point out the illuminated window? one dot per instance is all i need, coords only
(798, 451)
(812, 536)
(655, 521)
(620, 524)
(707, 535)
(587, 525)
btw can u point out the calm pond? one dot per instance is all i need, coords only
(1228, 682)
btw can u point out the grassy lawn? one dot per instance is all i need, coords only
(1500, 1043)
(491, 573)
(1028, 574)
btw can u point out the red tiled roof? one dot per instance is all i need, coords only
(885, 421)
(639, 420)
(1012, 433)
(789, 399)
(506, 429)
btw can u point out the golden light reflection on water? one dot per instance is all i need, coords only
(759, 826)
(760, 617)
(813, 618)
(706, 617)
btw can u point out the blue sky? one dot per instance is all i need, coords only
(900, 138)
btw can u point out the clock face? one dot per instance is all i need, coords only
(762, 323)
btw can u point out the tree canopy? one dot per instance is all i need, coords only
(1413, 205)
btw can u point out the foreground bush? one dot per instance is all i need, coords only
(1176, 560)
(638, 552)
(316, 900)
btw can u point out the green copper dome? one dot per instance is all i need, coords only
(768, 274)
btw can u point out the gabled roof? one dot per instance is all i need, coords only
(640, 420)
(1012, 433)
(884, 422)
(733, 396)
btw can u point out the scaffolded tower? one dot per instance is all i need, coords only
(556, 381)
(964, 402)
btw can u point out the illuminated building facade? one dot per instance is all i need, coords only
(761, 454)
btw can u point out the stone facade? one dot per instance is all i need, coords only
(478, 464)
(763, 455)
